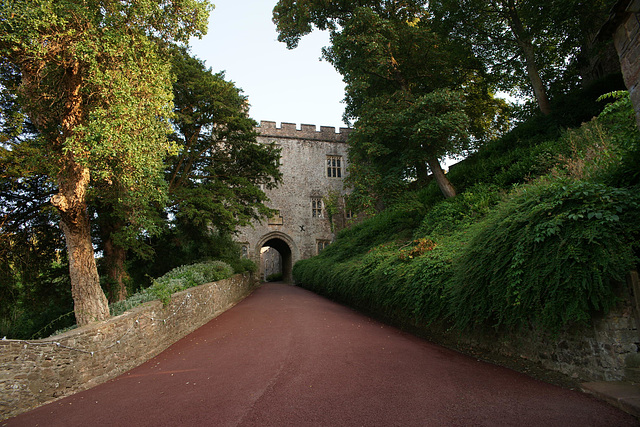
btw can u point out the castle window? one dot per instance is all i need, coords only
(245, 250)
(321, 245)
(334, 166)
(316, 207)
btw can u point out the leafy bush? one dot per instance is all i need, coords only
(182, 245)
(275, 277)
(545, 221)
(176, 280)
(389, 225)
(398, 279)
(459, 211)
(592, 150)
(619, 118)
(243, 265)
(548, 256)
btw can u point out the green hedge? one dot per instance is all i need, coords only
(546, 254)
(540, 232)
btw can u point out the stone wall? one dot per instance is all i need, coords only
(607, 349)
(36, 372)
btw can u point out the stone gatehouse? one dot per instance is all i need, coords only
(313, 166)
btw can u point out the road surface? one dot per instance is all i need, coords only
(287, 357)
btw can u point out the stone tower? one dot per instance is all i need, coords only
(313, 166)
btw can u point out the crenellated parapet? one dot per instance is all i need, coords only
(291, 131)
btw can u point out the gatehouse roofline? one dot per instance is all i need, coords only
(291, 131)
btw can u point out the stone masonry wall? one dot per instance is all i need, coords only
(33, 373)
(597, 352)
(304, 156)
(607, 349)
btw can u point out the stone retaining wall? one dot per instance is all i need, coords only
(36, 372)
(607, 349)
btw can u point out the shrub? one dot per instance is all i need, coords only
(619, 118)
(547, 256)
(275, 277)
(512, 248)
(389, 225)
(243, 265)
(459, 211)
(176, 280)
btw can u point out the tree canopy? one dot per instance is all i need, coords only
(407, 89)
(92, 79)
(526, 44)
(216, 178)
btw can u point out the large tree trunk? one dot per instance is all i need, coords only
(528, 51)
(443, 182)
(539, 90)
(90, 303)
(422, 174)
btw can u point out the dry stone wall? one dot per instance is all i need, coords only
(36, 372)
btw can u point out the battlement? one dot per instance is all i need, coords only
(290, 130)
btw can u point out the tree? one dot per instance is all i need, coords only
(406, 86)
(213, 182)
(526, 44)
(216, 178)
(34, 285)
(95, 86)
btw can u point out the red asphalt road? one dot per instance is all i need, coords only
(287, 357)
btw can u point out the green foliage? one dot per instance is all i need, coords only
(215, 179)
(358, 239)
(331, 206)
(275, 277)
(183, 244)
(460, 211)
(547, 223)
(399, 280)
(548, 256)
(244, 265)
(34, 307)
(176, 280)
(536, 147)
(34, 273)
(619, 118)
(93, 81)
(528, 45)
(415, 96)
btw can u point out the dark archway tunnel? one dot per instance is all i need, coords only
(287, 260)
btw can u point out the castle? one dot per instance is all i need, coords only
(309, 201)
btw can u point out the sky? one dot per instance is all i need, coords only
(283, 85)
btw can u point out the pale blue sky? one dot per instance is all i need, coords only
(282, 85)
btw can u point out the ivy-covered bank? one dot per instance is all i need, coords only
(539, 240)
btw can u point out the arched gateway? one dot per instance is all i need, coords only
(285, 248)
(313, 166)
